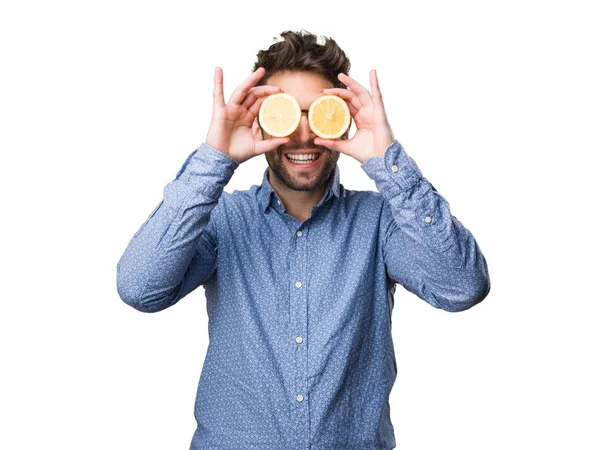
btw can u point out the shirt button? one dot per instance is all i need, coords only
(299, 339)
(299, 233)
(394, 168)
(428, 219)
(279, 202)
(298, 284)
(299, 397)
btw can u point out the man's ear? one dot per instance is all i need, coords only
(257, 130)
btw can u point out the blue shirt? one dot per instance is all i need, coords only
(300, 352)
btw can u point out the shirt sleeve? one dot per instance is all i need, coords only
(425, 248)
(175, 249)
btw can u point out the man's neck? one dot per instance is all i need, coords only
(298, 204)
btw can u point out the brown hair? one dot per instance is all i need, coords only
(301, 51)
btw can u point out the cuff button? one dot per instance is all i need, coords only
(428, 219)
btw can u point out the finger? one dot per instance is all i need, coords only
(218, 99)
(353, 110)
(347, 95)
(255, 107)
(377, 98)
(339, 145)
(357, 88)
(242, 90)
(270, 144)
(257, 92)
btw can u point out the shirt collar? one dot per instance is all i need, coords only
(266, 190)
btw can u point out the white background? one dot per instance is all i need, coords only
(100, 104)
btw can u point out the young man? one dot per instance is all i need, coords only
(299, 273)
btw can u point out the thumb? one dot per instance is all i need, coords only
(338, 145)
(269, 144)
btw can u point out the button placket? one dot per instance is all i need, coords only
(299, 326)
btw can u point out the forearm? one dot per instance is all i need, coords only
(152, 268)
(450, 272)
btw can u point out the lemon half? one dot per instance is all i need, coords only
(279, 114)
(329, 116)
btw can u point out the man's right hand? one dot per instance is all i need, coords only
(230, 128)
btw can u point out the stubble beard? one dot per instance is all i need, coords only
(303, 181)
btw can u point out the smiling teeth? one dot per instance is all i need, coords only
(303, 159)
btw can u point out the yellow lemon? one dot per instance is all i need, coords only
(329, 116)
(279, 114)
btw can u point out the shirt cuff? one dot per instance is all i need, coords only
(208, 167)
(394, 172)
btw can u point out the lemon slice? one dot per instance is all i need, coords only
(329, 116)
(279, 114)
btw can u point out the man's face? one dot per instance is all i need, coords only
(305, 87)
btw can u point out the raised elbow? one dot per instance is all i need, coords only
(470, 294)
(133, 295)
(130, 295)
(142, 304)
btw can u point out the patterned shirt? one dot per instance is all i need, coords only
(300, 352)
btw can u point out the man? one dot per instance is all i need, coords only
(299, 273)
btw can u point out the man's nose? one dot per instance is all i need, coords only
(303, 132)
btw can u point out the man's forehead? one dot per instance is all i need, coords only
(304, 86)
(300, 80)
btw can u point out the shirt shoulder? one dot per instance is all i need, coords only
(365, 200)
(370, 206)
(239, 201)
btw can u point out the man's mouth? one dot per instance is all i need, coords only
(303, 158)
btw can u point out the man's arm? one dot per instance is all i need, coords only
(426, 249)
(175, 250)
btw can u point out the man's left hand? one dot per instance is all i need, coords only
(373, 133)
